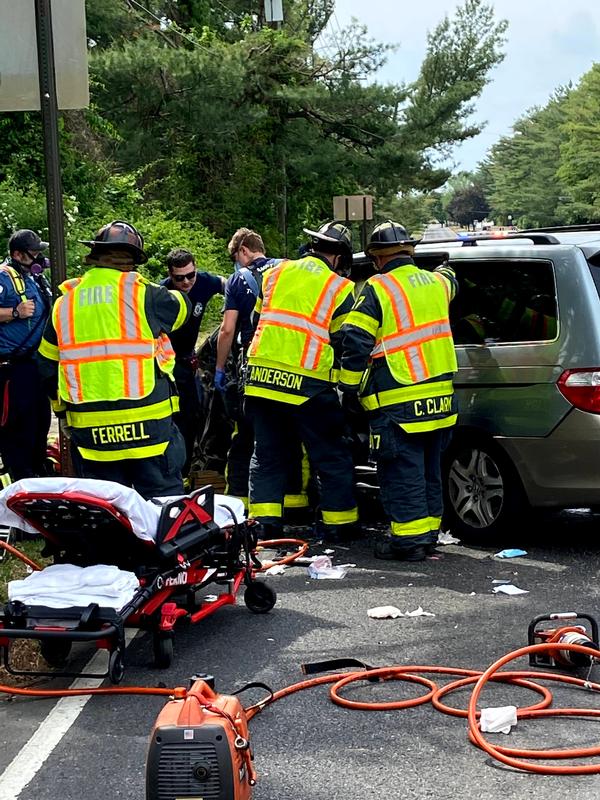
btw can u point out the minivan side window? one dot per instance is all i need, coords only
(500, 301)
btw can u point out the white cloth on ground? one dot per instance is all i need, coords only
(142, 514)
(66, 585)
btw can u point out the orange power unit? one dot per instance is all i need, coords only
(199, 748)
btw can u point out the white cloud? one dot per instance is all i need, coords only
(549, 44)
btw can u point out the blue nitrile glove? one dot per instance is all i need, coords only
(220, 380)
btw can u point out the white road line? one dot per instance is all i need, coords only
(24, 766)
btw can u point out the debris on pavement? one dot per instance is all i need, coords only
(509, 588)
(391, 612)
(511, 553)
(322, 567)
(445, 537)
(499, 719)
(276, 569)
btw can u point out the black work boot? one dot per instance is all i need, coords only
(390, 550)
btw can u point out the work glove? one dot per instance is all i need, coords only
(351, 404)
(220, 380)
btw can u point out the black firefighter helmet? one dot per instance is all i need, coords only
(388, 238)
(119, 235)
(335, 238)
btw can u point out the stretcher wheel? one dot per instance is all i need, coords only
(55, 651)
(116, 666)
(259, 598)
(163, 650)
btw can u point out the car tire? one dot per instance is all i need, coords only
(484, 498)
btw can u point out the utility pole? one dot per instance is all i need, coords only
(49, 109)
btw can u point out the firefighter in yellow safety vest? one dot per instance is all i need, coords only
(398, 358)
(293, 366)
(107, 362)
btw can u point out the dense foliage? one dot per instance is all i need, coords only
(204, 118)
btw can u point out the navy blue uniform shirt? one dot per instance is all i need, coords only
(241, 293)
(25, 332)
(205, 286)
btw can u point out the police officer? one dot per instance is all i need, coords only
(108, 362)
(25, 302)
(290, 385)
(200, 287)
(398, 357)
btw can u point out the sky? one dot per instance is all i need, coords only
(549, 44)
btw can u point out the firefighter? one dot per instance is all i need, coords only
(290, 383)
(247, 251)
(398, 358)
(108, 364)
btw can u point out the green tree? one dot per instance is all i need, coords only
(468, 205)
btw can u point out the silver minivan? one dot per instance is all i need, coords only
(526, 325)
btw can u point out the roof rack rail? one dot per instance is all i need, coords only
(592, 226)
(537, 237)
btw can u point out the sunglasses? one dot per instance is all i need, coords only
(189, 276)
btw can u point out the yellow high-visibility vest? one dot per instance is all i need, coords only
(293, 332)
(106, 348)
(415, 337)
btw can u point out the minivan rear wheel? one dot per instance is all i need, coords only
(484, 496)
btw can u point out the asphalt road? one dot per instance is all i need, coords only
(305, 746)
(438, 232)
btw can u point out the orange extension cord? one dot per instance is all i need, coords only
(512, 757)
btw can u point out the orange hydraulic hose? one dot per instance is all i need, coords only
(519, 763)
(270, 543)
(178, 693)
(13, 551)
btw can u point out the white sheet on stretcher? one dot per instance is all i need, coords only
(65, 585)
(142, 514)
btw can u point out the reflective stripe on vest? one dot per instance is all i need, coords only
(102, 332)
(416, 346)
(17, 280)
(312, 352)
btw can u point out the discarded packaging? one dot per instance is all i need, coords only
(322, 568)
(391, 612)
(445, 537)
(276, 569)
(508, 588)
(499, 719)
(511, 553)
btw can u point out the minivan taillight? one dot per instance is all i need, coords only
(581, 387)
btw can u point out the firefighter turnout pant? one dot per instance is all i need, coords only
(151, 476)
(320, 424)
(237, 472)
(190, 418)
(410, 479)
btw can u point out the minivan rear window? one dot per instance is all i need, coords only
(504, 301)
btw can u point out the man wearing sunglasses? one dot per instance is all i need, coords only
(199, 287)
(25, 302)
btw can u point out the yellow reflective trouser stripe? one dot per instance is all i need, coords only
(49, 350)
(405, 394)
(271, 394)
(90, 419)
(121, 455)
(340, 517)
(265, 510)
(4, 479)
(435, 523)
(363, 321)
(413, 528)
(350, 377)
(295, 501)
(431, 425)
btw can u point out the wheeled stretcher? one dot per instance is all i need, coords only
(161, 553)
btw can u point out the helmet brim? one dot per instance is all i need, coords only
(140, 255)
(390, 247)
(321, 236)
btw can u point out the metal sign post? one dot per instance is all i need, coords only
(49, 109)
